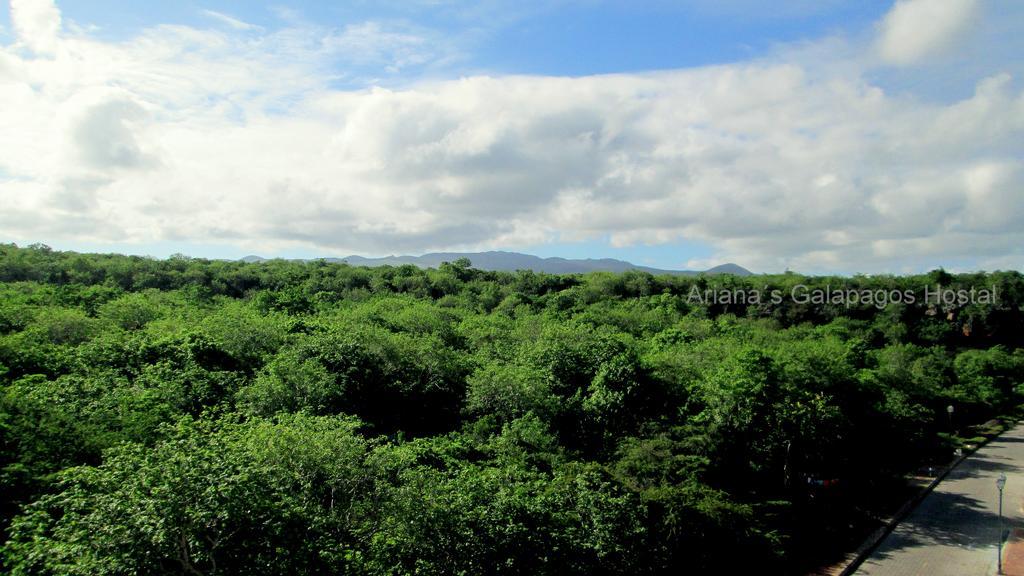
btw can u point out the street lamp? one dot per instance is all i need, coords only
(1000, 483)
(949, 410)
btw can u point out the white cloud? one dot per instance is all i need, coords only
(36, 23)
(373, 43)
(915, 29)
(230, 21)
(220, 136)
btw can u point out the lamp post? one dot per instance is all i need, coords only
(1000, 483)
(949, 410)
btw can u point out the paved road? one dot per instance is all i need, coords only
(954, 530)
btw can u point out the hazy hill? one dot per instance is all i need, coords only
(511, 261)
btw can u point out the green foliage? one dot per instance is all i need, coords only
(392, 380)
(197, 417)
(131, 311)
(509, 391)
(214, 497)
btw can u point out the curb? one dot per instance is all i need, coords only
(876, 538)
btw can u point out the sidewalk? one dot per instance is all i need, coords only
(1013, 554)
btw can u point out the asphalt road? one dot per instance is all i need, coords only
(954, 531)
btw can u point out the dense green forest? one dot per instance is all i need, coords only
(186, 416)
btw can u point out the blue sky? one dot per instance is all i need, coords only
(825, 136)
(561, 38)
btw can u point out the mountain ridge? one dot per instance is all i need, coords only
(499, 260)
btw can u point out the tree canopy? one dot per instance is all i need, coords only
(186, 416)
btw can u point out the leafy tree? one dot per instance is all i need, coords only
(197, 417)
(214, 497)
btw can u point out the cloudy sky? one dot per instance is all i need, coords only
(814, 135)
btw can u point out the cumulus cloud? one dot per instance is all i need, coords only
(102, 135)
(915, 29)
(36, 23)
(245, 138)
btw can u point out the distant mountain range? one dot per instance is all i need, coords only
(512, 261)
